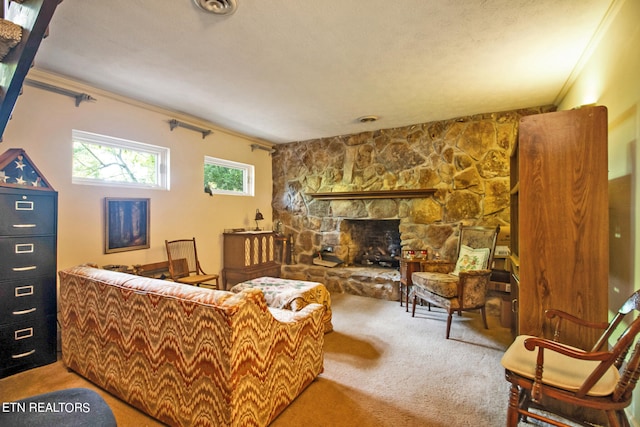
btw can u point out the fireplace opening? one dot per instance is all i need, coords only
(374, 242)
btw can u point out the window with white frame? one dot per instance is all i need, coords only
(227, 177)
(105, 160)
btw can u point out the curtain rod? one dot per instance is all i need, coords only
(173, 123)
(78, 96)
(262, 147)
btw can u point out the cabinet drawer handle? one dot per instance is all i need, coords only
(23, 333)
(24, 225)
(31, 267)
(23, 291)
(22, 205)
(18, 356)
(27, 311)
(24, 248)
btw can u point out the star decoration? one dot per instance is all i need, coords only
(17, 170)
(19, 164)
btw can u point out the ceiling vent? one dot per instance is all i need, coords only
(219, 7)
(368, 119)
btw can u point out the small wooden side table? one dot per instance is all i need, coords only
(407, 268)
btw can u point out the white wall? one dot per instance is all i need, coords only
(611, 77)
(42, 123)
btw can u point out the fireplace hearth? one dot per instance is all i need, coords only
(373, 242)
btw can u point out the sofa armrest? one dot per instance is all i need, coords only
(274, 355)
(472, 287)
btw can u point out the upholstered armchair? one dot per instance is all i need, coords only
(462, 285)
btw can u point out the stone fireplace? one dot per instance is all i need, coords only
(372, 242)
(462, 165)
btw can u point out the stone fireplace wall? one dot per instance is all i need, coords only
(466, 160)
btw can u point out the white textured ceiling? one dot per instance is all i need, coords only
(292, 70)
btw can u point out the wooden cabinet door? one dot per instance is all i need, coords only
(563, 220)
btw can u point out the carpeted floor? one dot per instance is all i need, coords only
(382, 368)
(385, 368)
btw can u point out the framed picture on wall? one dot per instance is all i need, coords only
(126, 224)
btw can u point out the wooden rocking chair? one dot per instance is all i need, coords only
(543, 372)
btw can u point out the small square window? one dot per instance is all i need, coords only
(227, 177)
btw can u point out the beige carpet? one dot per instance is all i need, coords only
(385, 368)
(382, 368)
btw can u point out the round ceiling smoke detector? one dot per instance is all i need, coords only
(219, 7)
(368, 119)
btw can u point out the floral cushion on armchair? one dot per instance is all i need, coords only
(471, 259)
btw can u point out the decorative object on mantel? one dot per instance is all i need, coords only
(10, 36)
(377, 194)
(17, 170)
(259, 217)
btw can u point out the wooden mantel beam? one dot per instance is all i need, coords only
(378, 194)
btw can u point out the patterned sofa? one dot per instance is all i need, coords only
(184, 355)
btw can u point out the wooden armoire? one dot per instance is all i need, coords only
(559, 221)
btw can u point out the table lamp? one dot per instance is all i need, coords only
(258, 217)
